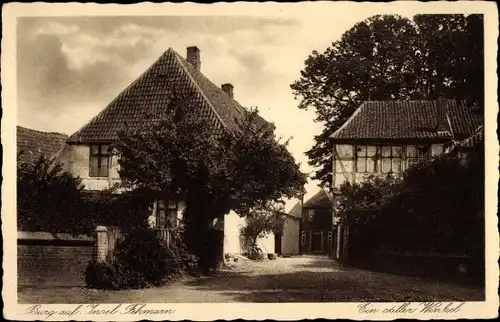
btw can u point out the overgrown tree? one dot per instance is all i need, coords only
(185, 156)
(389, 58)
(50, 199)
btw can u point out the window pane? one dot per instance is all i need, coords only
(94, 166)
(370, 165)
(161, 218)
(396, 165)
(371, 150)
(344, 150)
(361, 150)
(386, 165)
(396, 151)
(343, 166)
(411, 162)
(104, 149)
(104, 167)
(422, 151)
(172, 218)
(94, 149)
(172, 204)
(386, 151)
(411, 151)
(361, 165)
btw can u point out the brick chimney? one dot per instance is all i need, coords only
(228, 88)
(193, 57)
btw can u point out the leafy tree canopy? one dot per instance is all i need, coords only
(390, 58)
(50, 199)
(186, 156)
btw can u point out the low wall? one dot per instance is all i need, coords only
(48, 260)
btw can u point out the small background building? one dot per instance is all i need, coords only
(285, 244)
(316, 236)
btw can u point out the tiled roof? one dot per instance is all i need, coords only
(320, 200)
(471, 142)
(142, 103)
(389, 120)
(32, 144)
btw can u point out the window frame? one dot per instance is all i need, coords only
(330, 238)
(366, 158)
(417, 158)
(310, 215)
(99, 156)
(168, 208)
(391, 157)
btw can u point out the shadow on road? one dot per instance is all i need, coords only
(333, 286)
(320, 263)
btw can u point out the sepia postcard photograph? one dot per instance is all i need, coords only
(250, 160)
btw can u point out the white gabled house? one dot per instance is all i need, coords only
(86, 153)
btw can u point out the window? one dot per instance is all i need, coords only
(390, 159)
(166, 214)
(365, 158)
(310, 215)
(99, 160)
(303, 238)
(415, 154)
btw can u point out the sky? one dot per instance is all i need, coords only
(70, 68)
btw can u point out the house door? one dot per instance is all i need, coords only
(317, 242)
(277, 244)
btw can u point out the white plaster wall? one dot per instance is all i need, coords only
(437, 149)
(75, 159)
(232, 240)
(233, 243)
(266, 244)
(291, 237)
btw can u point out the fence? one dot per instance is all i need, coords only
(165, 235)
(108, 236)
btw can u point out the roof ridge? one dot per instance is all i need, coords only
(120, 94)
(349, 120)
(200, 91)
(42, 132)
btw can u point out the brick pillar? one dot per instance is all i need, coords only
(101, 244)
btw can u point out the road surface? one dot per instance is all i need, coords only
(295, 279)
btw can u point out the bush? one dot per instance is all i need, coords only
(99, 276)
(141, 253)
(140, 260)
(436, 206)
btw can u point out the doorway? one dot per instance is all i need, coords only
(317, 242)
(277, 244)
